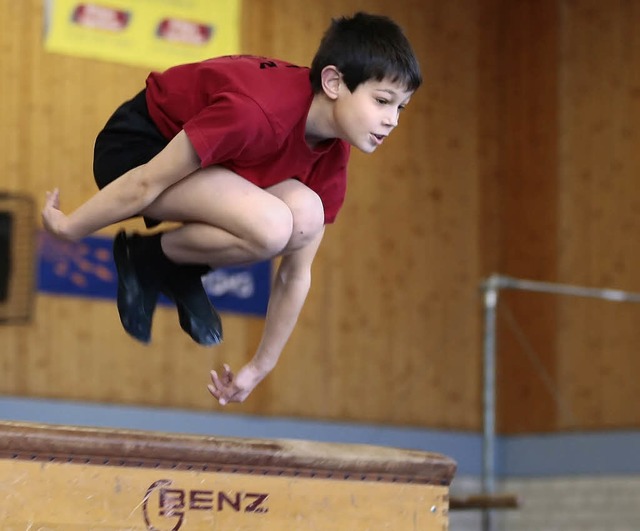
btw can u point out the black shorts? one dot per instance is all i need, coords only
(128, 139)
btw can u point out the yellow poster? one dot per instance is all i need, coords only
(150, 33)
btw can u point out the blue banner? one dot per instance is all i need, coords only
(86, 269)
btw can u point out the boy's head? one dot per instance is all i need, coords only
(366, 47)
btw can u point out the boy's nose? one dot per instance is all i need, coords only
(391, 120)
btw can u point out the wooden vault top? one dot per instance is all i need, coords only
(224, 454)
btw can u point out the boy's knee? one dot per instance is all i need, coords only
(308, 218)
(272, 232)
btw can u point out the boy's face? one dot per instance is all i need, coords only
(366, 116)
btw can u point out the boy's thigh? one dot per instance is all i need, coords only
(219, 197)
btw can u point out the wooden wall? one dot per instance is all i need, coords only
(599, 201)
(521, 200)
(560, 201)
(517, 155)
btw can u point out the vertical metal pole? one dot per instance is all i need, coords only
(491, 288)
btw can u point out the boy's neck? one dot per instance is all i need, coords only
(319, 126)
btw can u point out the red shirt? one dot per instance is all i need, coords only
(249, 114)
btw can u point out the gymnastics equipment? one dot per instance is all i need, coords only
(73, 478)
(491, 289)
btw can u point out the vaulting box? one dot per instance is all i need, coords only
(62, 478)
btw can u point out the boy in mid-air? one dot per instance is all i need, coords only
(249, 155)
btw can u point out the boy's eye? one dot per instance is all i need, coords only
(382, 101)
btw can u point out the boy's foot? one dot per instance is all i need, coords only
(136, 301)
(197, 316)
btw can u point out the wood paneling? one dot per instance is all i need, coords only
(564, 182)
(527, 207)
(599, 200)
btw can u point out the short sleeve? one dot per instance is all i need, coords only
(231, 127)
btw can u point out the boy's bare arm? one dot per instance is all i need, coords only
(290, 289)
(126, 196)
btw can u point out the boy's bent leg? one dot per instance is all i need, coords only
(294, 199)
(227, 220)
(196, 200)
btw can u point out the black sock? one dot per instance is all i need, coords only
(149, 259)
(194, 269)
(156, 269)
(187, 278)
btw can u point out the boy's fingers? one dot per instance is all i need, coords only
(219, 389)
(217, 394)
(216, 380)
(52, 198)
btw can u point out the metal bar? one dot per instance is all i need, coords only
(614, 295)
(491, 290)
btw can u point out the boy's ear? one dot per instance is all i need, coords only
(331, 79)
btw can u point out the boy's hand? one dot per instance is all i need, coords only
(53, 219)
(234, 388)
